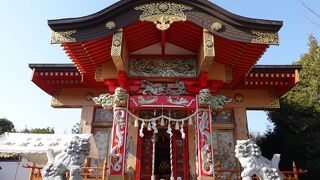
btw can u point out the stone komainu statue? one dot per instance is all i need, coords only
(70, 159)
(252, 162)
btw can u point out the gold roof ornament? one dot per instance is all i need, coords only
(274, 101)
(110, 25)
(216, 26)
(265, 37)
(163, 14)
(58, 37)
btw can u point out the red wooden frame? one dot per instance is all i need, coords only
(186, 154)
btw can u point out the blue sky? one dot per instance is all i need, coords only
(25, 38)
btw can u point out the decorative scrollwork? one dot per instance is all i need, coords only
(55, 101)
(119, 98)
(119, 116)
(163, 14)
(62, 36)
(206, 149)
(208, 44)
(163, 68)
(216, 102)
(265, 37)
(177, 100)
(147, 100)
(150, 88)
(228, 75)
(274, 101)
(98, 74)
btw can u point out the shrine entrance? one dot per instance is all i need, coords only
(162, 156)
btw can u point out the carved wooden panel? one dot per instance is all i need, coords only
(163, 68)
(223, 117)
(223, 150)
(103, 115)
(102, 139)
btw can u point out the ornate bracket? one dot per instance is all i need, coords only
(163, 14)
(119, 51)
(98, 76)
(217, 102)
(207, 52)
(119, 99)
(274, 100)
(265, 37)
(55, 101)
(58, 37)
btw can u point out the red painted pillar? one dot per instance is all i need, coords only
(204, 145)
(117, 153)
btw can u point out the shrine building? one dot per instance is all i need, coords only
(164, 85)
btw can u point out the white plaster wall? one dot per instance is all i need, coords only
(9, 169)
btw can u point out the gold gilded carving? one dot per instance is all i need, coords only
(238, 98)
(163, 14)
(228, 75)
(274, 101)
(98, 74)
(116, 51)
(62, 36)
(209, 44)
(207, 52)
(88, 96)
(265, 37)
(110, 25)
(216, 26)
(55, 101)
(163, 67)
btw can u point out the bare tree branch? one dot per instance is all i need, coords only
(311, 10)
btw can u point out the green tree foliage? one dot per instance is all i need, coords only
(296, 133)
(76, 129)
(6, 126)
(47, 130)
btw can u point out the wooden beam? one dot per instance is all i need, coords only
(119, 51)
(207, 53)
(252, 99)
(75, 97)
(106, 70)
(163, 42)
(87, 115)
(296, 76)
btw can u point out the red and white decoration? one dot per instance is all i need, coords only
(118, 142)
(162, 101)
(205, 150)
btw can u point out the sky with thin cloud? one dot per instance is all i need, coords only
(25, 36)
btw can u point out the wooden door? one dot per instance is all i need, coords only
(162, 155)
